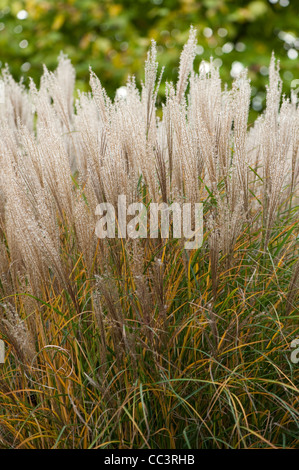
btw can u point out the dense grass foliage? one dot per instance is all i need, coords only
(123, 343)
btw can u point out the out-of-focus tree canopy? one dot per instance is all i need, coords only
(113, 37)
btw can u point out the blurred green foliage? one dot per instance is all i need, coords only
(113, 37)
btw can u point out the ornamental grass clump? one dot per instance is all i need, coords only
(140, 343)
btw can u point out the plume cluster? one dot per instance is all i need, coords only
(61, 156)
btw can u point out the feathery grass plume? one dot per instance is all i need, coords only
(241, 95)
(210, 125)
(186, 64)
(150, 88)
(90, 142)
(16, 107)
(100, 97)
(18, 334)
(60, 88)
(294, 117)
